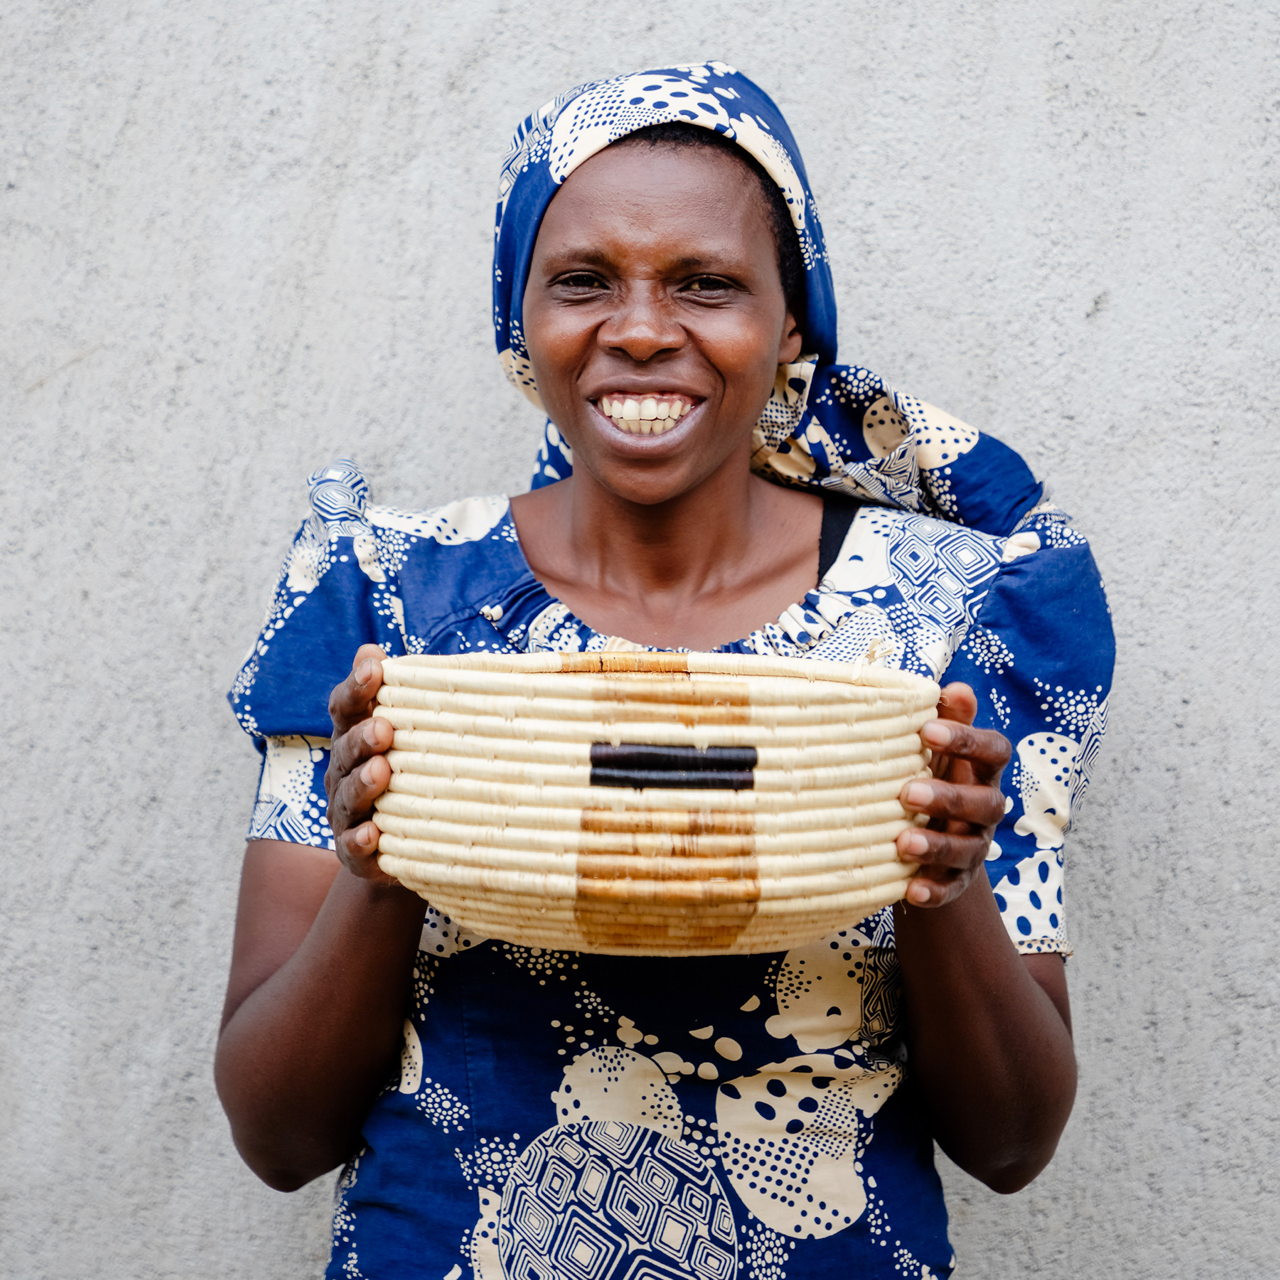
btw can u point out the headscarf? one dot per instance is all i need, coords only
(826, 425)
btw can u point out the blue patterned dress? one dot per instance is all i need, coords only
(559, 1116)
(562, 1114)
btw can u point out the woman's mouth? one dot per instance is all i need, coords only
(644, 415)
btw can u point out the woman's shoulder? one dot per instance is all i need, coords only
(360, 573)
(387, 540)
(458, 523)
(922, 584)
(907, 545)
(341, 505)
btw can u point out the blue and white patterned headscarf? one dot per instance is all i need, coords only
(826, 425)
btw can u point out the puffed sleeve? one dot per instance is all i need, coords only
(333, 595)
(1040, 659)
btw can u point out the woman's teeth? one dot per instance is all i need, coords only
(650, 416)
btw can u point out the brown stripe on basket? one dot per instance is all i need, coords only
(663, 902)
(675, 690)
(667, 928)
(677, 821)
(681, 864)
(642, 764)
(622, 662)
(668, 894)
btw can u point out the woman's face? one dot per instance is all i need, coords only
(654, 316)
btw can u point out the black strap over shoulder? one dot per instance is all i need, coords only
(838, 511)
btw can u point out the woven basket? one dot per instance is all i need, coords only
(649, 803)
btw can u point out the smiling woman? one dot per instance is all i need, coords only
(655, 281)
(710, 479)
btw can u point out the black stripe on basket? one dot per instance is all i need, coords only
(642, 764)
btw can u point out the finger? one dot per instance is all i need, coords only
(958, 702)
(981, 745)
(347, 753)
(986, 750)
(358, 850)
(369, 738)
(979, 806)
(936, 890)
(360, 842)
(353, 699)
(352, 800)
(943, 850)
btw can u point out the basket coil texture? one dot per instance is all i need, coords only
(649, 803)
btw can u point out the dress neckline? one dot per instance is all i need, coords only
(795, 621)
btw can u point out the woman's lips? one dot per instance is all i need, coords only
(645, 415)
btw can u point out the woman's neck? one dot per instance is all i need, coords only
(696, 571)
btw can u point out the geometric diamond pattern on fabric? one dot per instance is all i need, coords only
(940, 569)
(534, 1220)
(675, 1233)
(659, 1180)
(653, 1269)
(556, 1184)
(606, 1200)
(585, 1248)
(710, 1262)
(632, 1207)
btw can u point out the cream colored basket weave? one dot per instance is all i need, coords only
(649, 803)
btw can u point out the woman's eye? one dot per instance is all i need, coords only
(707, 284)
(581, 280)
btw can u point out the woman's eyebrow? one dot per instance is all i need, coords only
(696, 262)
(567, 258)
(577, 258)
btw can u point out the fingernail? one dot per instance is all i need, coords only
(371, 733)
(919, 794)
(914, 842)
(364, 672)
(937, 734)
(918, 893)
(363, 837)
(366, 774)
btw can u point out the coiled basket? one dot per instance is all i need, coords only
(649, 803)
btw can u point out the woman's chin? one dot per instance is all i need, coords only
(649, 481)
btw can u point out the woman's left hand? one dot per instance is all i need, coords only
(963, 801)
(997, 1109)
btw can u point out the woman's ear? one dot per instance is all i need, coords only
(792, 339)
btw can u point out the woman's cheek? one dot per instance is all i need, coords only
(749, 367)
(555, 355)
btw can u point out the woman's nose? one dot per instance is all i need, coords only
(642, 324)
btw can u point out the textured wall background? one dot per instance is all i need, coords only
(241, 238)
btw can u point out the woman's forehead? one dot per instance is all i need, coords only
(694, 203)
(712, 165)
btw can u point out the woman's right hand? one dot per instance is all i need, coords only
(321, 970)
(358, 770)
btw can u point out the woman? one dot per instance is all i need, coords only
(661, 290)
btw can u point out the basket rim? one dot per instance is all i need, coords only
(662, 663)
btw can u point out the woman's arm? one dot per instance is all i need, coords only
(320, 970)
(988, 1031)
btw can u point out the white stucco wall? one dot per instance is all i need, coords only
(238, 239)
